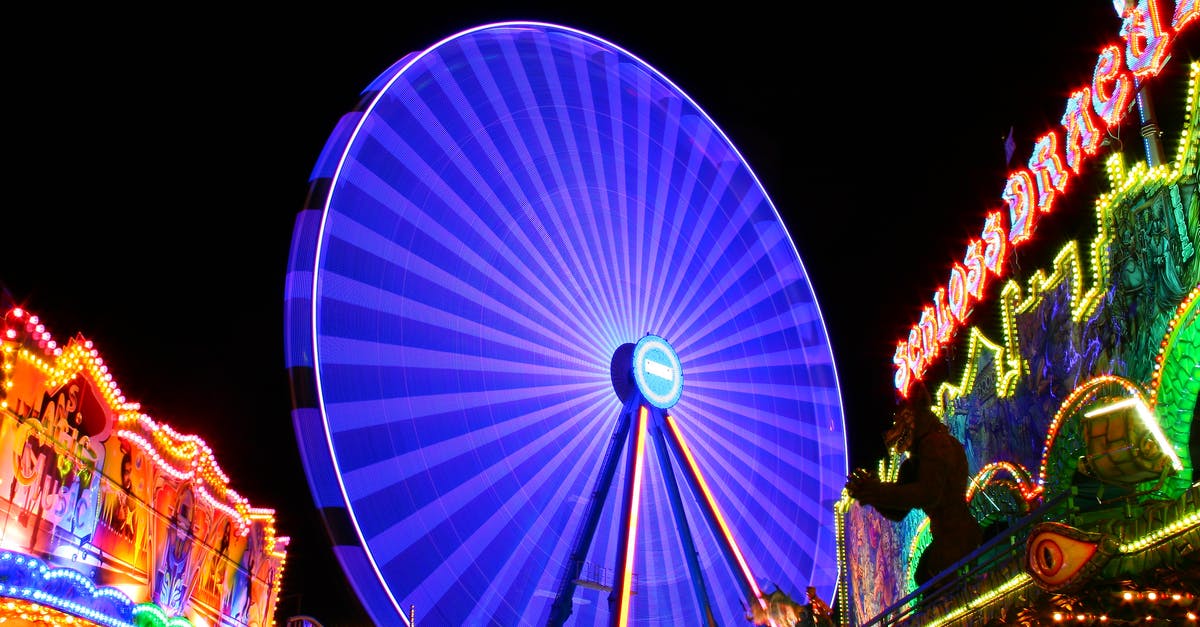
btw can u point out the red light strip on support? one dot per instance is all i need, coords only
(627, 579)
(712, 505)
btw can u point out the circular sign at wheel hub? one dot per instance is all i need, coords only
(657, 372)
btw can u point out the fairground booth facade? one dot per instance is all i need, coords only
(108, 516)
(1074, 374)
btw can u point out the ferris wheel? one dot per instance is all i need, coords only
(554, 356)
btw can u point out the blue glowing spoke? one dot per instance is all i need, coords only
(747, 497)
(397, 261)
(465, 491)
(560, 471)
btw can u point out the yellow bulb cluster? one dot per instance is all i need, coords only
(841, 508)
(36, 614)
(1180, 312)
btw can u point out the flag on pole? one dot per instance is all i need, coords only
(1010, 146)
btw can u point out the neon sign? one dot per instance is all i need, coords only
(1030, 192)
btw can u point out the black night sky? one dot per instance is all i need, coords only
(156, 164)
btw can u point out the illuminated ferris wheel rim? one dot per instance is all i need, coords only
(350, 143)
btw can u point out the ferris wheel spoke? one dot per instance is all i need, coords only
(448, 216)
(530, 132)
(599, 147)
(742, 279)
(797, 437)
(545, 272)
(687, 217)
(419, 449)
(728, 477)
(564, 135)
(446, 294)
(705, 254)
(465, 520)
(547, 484)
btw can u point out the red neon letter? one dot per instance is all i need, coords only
(929, 333)
(1146, 41)
(916, 352)
(1186, 11)
(1048, 171)
(903, 377)
(976, 272)
(1112, 87)
(995, 252)
(957, 294)
(1018, 194)
(1082, 137)
(941, 313)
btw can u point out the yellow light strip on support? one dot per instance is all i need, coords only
(1018, 581)
(635, 498)
(1184, 524)
(712, 504)
(1150, 422)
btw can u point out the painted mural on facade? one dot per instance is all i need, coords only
(144, 515)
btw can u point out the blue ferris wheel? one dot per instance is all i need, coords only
(554, 356)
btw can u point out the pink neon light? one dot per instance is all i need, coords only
(1112, 87)
(627, 579)
(1146, 41)
(712, 504)
(1048, 170)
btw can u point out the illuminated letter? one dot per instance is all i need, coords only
(916, 351)
(903, 377)
(1186, 11)
(1048, 171)
(1018, 194)
(941, 313)
(1082, 137)
(1112, 87)
(1146, 41)
(929, 333)
(957, 295)
(995, 252)
(976, 273)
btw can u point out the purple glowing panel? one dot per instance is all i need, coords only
(506, 210)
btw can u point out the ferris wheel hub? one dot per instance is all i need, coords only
(657, 371)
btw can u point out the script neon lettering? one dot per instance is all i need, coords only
(976, 272)
(1185, 13)
(1030, 192)
(957, 295)
(1112, 87)
(902, 379)
(941, 313)
(995, 251)
(1018, 195)
(928, 326)
(1047, 169)
(916, 352)
(1146, 41)
(1082, 138)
